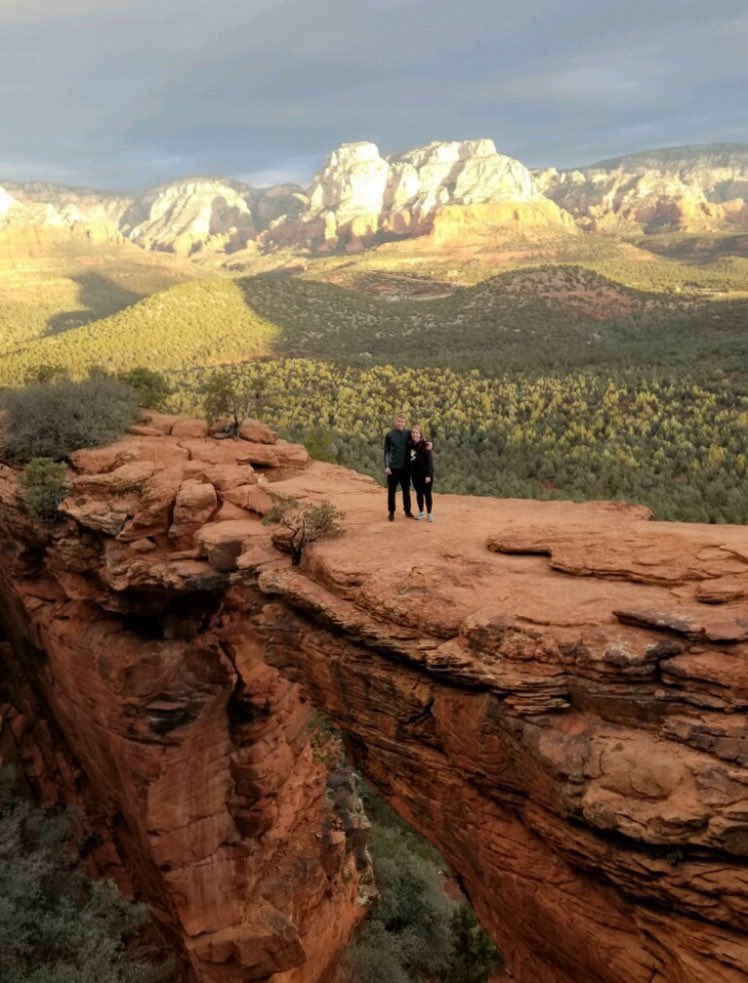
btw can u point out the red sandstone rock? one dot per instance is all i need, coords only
(228, 511)
(222, 542)
(190, 428)
(251, 498)
(228, 476)
(162, 422)
(151, 515)
(161, 452)
(257, 432)
(143, 430)
(195, 504)
(560, 712)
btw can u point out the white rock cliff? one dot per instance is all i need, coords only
(445, 189)
(360, 193)
(680, 188)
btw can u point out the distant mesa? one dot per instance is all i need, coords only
(446, 190)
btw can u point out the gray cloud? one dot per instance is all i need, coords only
(105, 94)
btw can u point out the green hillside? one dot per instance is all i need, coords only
(57, 284)
(549, 317)
(654, 263)
(204, 322)
(537, 318)
(660, 439)
(544, 380)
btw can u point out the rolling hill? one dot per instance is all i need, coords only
(532, 318)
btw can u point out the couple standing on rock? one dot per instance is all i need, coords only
(408, 457)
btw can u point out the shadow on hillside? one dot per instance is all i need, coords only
(265, 303)
(703, 249)
(99, 297)
(540, 318)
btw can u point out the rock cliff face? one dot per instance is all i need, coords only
(356, 198)
(130, 689)
(553, 693)
(200, 215)
(449, 189)
(359, 195)
(189, 215)
(47, 208)
(689, 189)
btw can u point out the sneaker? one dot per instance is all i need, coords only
(420, 515)
(391, 516)
(409, 515)
(429, 518)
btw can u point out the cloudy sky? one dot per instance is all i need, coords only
(123, 94)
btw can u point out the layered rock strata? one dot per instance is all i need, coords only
(360, 196)
(448, 189)
(130, 689)
(554, 694)
(689, 189)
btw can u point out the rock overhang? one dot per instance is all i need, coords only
(573, 675)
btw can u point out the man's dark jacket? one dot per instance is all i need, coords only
(396, 450)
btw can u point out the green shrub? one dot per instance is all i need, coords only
(151, 387)
(320, 444)
(306, 524)
(415, 933)
(45, 373)
(56, 924)
(44, 486)
(474, 956)
(409, 928)
(56, 418)
(224, 394)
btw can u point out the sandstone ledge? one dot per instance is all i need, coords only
(553, 693)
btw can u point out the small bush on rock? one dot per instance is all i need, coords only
(54, 419)
(224, 394)
(306, 524)
(44, 486)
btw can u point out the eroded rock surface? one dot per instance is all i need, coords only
(454, 190)
(554, 694)
(690, 189)
(132, 690)
(360, 195)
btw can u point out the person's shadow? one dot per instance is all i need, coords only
(99, 297)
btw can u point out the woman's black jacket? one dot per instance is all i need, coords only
(421, 462)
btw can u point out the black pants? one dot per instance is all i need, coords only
(400, 477)
(423, 493)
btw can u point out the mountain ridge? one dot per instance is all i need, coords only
(361, 197)
(665, 154)
(736, 146)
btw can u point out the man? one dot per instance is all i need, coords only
(397, 466)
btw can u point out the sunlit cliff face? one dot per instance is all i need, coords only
(448, 190)
(565, 725)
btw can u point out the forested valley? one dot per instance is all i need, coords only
(670, 442)
(548, 381)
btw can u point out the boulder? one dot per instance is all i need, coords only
(133, 448)
(257, 432)
(196, 502)
(222, 542)
(190, 428)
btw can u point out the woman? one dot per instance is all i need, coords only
(421, 471)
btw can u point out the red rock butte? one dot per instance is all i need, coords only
(553, 693)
